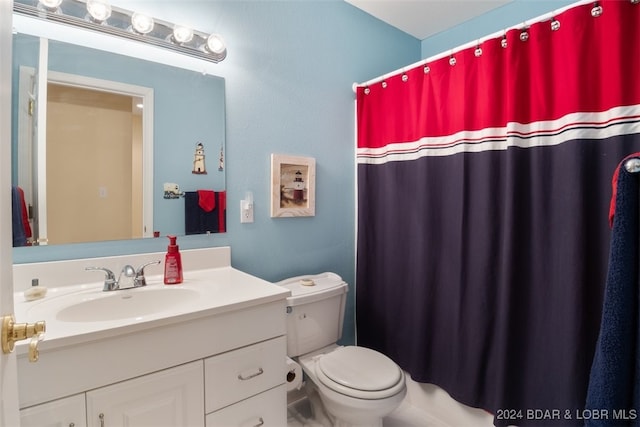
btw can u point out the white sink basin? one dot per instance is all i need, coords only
(125, 304)
(115, 305)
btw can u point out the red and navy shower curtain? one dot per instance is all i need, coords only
(484, 182)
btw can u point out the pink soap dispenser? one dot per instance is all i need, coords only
(172, 263)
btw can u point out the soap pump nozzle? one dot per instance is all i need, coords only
(173, 247)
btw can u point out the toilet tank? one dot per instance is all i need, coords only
(315, 312)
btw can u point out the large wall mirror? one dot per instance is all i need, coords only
(96, 137)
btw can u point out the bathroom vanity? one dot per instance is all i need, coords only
(208, 352)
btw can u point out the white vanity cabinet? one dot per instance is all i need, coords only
(67, 412)
(218, 359)
(172, 397)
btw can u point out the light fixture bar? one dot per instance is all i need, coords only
(74, 13)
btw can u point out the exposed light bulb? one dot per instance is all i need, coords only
(141, 23)
(99, 10)
(51, 4)
(182, 34)
(215, 44)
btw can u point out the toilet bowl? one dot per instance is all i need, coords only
(357, 386)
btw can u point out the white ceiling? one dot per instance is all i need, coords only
(424, 18)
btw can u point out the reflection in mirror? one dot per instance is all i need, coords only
(188, 119)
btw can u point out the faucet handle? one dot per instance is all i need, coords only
(140, 279)
(110, 282)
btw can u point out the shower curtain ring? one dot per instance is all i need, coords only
(596, 11)
(632, 165)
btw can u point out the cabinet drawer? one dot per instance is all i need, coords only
(242, 373)
(264, 410)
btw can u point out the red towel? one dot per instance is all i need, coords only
(614, 185)
(207, 200)
(25, 214)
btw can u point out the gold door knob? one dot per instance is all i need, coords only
(12, 332)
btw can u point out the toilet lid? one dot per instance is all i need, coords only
(360, 372)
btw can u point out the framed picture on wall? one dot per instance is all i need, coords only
(293, 186)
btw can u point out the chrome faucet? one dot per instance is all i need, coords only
(129, 277)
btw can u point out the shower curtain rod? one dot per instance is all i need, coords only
(448, 52)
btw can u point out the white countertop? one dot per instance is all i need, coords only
(218, 290)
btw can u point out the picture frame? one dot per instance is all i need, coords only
(293, 184)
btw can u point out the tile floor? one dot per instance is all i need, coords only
(299, 415)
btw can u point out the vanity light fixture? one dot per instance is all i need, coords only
(99, 10)
(182, 34)
(141, 23)
(215, 44)
(100, 16)
(51, 5)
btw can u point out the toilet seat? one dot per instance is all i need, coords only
(360, 372)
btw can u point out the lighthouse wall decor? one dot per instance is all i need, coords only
(198, 160)
(293, 183)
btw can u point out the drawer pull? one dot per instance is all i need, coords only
(241, 377)
(101, 416)
(260, 422)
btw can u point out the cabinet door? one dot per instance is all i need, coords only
(67, 412)
(169, 398)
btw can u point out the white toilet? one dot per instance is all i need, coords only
(358, 386)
